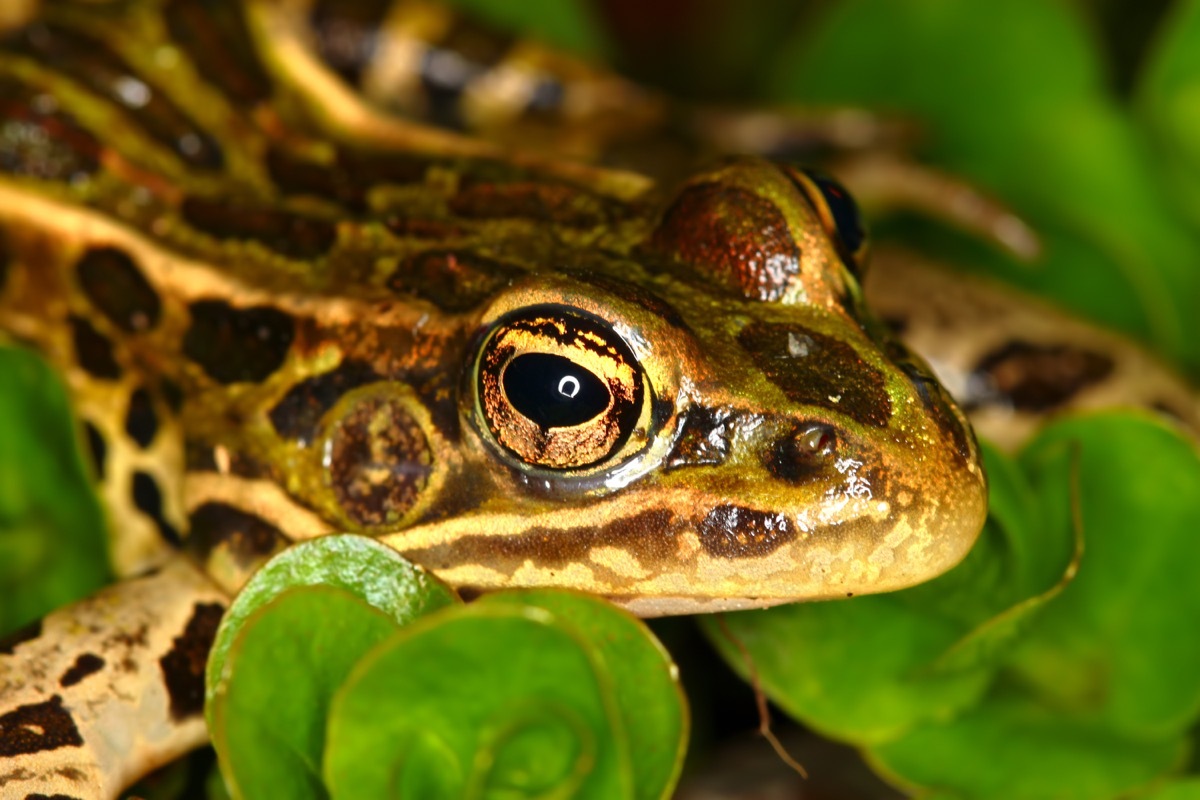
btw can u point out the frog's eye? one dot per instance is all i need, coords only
(558, 388)
(839, 214)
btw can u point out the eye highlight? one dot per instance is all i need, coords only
(558, 388)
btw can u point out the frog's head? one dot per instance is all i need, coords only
(712, 420)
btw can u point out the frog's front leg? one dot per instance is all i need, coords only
(99, 693)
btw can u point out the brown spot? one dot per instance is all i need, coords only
(141, 423)
(89, 61)
(290, 235)
(541, 202)
(452, 280)
(148, 499)
(40, 796)
(39, 141)
(410, 227)
(249, 539)
(87, 664)
(215, 37)
(379, 461)
(704, 439)
(93, 350)
(1034, 377)
(347, 34)
(736, 532)
(183, 665)
(26, 633)
(818, 370)
(738, 239)
(116, 287)
(297, 414)
(38, 728)
(238, 344)
(97, 449)
(650, 536)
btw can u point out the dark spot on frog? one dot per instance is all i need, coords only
(536, 201)
(141, 423)
(217, 40)
(731, 235)
(934, 398)
(40, 796)
(171, 393)
(116, 287)
(379, 461)
(237, 344)
(703, 440)
(803, 454)
(1035, 377)
(730, 531)
(38, 141)
(183, 665)
(26, 633)
(347, 34)
(89, 61)
(650, 536)
(462, 55)
(406, 226)
(97, 449)
(38, 728)
(93, 350)
(297, 414)
(86, 664)
(451, 280)
(291, 235)
(148, 499)
(818, 370)
(249, 539)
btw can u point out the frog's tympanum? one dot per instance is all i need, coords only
(283, 310)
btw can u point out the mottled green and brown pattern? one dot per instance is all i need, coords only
(274, 331)
(283, 310)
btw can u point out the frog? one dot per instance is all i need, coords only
(283, 309)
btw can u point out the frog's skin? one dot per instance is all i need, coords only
(282, 311)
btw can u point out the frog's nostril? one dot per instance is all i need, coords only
(802, 453)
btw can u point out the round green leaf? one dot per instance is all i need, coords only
(375, 573)
(482, 701)
(649, 699)
(285, 662)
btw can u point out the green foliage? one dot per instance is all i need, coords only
(328, 683)
(52, 545)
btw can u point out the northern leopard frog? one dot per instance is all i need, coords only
(282, 311)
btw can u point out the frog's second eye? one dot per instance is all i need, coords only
(558, 388)
(839, 215)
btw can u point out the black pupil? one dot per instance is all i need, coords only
(845, 211)
(553, 391)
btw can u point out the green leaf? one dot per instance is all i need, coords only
(1120, 642)
(649, 699)
(508, 704)
(1188, 789)
(375, 573)
(53, 548)
(285, 662)
(1012, 748)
